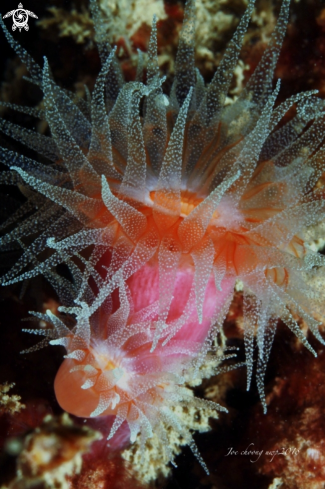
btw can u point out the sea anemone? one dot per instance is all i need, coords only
(110, 369)
(138, 180)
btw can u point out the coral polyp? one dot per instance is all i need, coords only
(110, 369)
(140, 181)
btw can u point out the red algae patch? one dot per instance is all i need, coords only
(292, 435)
(52, 453)
(106, 473)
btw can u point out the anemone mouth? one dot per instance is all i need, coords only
(188, 201)
(103, 361)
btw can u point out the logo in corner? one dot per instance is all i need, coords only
(20, 18)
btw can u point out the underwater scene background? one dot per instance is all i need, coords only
(40, 444)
